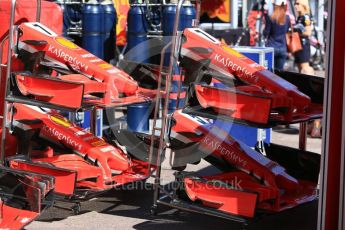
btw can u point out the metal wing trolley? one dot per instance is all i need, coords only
(44, 141)
(11, 97)
(277, 99)
(41, 187)
(160, 132)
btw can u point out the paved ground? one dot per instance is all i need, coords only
(129, 209)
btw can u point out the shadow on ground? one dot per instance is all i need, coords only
(136, 203)
(290, 130)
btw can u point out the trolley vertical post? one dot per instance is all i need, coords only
(303, 136)
(163, 138)
(8, 73)
(10, 38)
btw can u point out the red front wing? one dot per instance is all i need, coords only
(249, 82)
(94, 164)
(104, 84)
(14, 218)
(257, 181)
(23, 197)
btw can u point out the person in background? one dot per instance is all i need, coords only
(303, 26)
(253, 16)
(277, 25)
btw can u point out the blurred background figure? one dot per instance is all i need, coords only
(253, 16)
(303, 26)
(213, 11)
(256, 20)
(277, 25)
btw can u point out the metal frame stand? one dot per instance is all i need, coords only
(170, 198)
(8, 99)
(166, 119)
(303, 136)
(10, 38)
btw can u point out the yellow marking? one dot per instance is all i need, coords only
(66, 43)
(232, 51)
(60, 120)
(98, 143)
(105, 65)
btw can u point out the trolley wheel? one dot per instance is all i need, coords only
(76, 208)
(244, 226)
(153, 210)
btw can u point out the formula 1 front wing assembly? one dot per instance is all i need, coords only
(273, 179)
(23, 196)
(53, 62)
(238, 105)
(252, 94)
(81, 163)
(250, 181)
